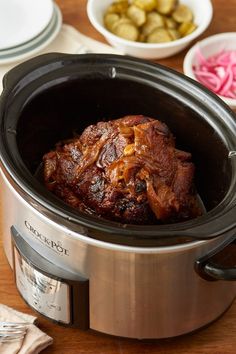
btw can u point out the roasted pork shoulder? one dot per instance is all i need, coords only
(125, 170)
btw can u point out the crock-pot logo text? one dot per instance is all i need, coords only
(55, 246)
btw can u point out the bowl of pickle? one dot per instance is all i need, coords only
(151, 29)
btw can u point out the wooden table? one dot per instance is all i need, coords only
(220, 337)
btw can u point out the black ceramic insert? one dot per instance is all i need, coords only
(51, 97)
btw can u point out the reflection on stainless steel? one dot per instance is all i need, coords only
(232, 154)
(155, 295)
(41, 282)
(47, 295)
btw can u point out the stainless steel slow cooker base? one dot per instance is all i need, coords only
(136, 293)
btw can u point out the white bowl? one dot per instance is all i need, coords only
(23, 20)
(202, 10)
(210, 46)
(37, 44)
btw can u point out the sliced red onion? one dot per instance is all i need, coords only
(218, 72)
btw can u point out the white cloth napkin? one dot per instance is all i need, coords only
(70, 41)
(34, 341)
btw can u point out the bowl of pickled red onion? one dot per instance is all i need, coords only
(212, 62)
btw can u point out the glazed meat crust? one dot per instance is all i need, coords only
(125, 170)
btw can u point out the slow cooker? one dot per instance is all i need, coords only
(153, 281)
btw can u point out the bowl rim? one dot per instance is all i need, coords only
(188, 60)
(200, 29)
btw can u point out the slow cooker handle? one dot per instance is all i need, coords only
(13, 76)
(220, 264)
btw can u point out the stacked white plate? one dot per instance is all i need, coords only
(27, 27)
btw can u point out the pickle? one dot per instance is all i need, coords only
(186, 28)
(182, 14)
(165, 7)
(174, 34)
(146, 5)
(159, 35)
(127, 31)
(121, 21)
(170, 23)
(118, 7)
(151, 21)
(110, 20)
(141, 38)
(137, 15)
(149, 27)
(154, 20)
(124, 16)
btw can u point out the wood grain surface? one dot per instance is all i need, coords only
(219, 337)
